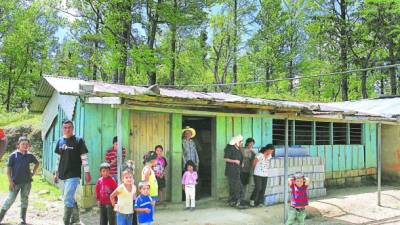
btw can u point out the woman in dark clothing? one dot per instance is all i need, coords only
(248, 156)
(234, 159)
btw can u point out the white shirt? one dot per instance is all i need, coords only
(262, 165)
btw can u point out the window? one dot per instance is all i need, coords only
(278, 132)
(303, 132)
(339, 133)
(322, 133)
(355, 134)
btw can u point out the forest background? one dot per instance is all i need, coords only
(254, 48)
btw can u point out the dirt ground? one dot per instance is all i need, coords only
(340, 207)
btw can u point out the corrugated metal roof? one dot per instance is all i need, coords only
(387, 107)
(71, 86)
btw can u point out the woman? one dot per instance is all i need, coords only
(233, 159)
(148, 175)
(248, 156)
(261, 164)
(159, 170)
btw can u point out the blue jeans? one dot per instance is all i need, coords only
(124, 219)
(12, 195)
(70, 186)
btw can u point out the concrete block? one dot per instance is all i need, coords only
(307, 169)
(346, 173)
(328, 175)
(341, 182)
(330, 182)
(362, 172)
(337, 174)
(319, 169)
(371, 171)
(354, 173)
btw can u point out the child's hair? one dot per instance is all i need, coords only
(143, 183)
(267, 147)
(248, 141)
(298, 175)
(129, 165)
(190, 163)
(115, 139)
(151, 155)
(125, 172)
(23, 138)
(159, 146)
(105, 166)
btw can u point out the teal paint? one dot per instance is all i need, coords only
(257, 124)
(237, 126)
(247, 128)
(369, 138)
(349, 156)
(313, 150)
(335, 158)
(266, 135)
(328, 158)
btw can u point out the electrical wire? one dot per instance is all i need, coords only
(283, 79)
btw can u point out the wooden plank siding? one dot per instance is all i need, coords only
(176, 155)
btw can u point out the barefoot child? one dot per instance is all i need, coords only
(298, 185)
(189, 181)
(104, 187)
(126, 193)
(144, 205)
(20, 177)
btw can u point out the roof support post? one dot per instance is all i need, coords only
(379, 166)
(119, 141)
(286, 191)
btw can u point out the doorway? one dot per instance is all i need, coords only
(204, 140)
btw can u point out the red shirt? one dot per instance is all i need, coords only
(2, 135)
(112, 155)
(298, 198)
(104, 187)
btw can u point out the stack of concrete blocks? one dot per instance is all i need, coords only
(311, 167)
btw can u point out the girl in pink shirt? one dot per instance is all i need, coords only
(189, 181)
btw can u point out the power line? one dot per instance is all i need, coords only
(284, 79)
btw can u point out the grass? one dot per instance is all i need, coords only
(38, 184)
(14, 119)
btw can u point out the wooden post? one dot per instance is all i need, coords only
(286, 191)
(379, 154)
(119, 141)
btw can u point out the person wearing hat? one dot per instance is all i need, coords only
(3, 143)
(233, 158)
(189, 146)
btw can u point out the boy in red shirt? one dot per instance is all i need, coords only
(104, 187)
(298, 185)
(3, 142)
(111, 158)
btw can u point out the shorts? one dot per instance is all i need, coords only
(160, 182)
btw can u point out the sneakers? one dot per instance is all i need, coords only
(252, 203)
(192, 209)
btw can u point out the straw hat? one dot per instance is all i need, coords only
(193, 131)
(236, 139)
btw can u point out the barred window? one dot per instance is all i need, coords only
(322, 133)
(355, 134)
(339, 133)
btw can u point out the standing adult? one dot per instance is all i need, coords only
(261, 165)
(248, 157)
(3, 142)
(160, 172)
(73, 155)
(189, 146)
(234, 159)
(111, 158)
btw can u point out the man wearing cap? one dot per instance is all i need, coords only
(233, 158)
(3, 143)
(189, 146)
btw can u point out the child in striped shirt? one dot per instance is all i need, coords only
(298, 185)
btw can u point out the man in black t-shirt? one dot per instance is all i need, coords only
(72, 154)
(233, 158)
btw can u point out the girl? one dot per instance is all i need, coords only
(189, 181)
(159, 170)
(261, 165)
(150, 160)
(248, 156)
(126, 193)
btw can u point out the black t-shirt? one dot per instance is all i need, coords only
(20, 166)
(231, 152)
(70, 151)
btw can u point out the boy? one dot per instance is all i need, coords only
(20, 177)
(111, 158)
(298, 185)
(104, 187)
(144, 205)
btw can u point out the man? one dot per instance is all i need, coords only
(3, 143)
(72, 154)
(189, 146)
(111, 158)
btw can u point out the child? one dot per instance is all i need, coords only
(189, 181)
(20, 177)
(150, 160)
(298, 198)
(160, 171)
(126, 193)
(144, 205)
(104, 187)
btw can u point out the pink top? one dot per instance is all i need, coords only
(189, 178)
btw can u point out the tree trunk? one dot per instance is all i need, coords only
(364, 77)
(8, 98)
(343, 48)
(173, 48)
(235, 42)
(267, 77)
(96, 47)
(291, 86)
(382, 86)
(151, 40)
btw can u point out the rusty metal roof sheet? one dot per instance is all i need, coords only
(71, 86)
